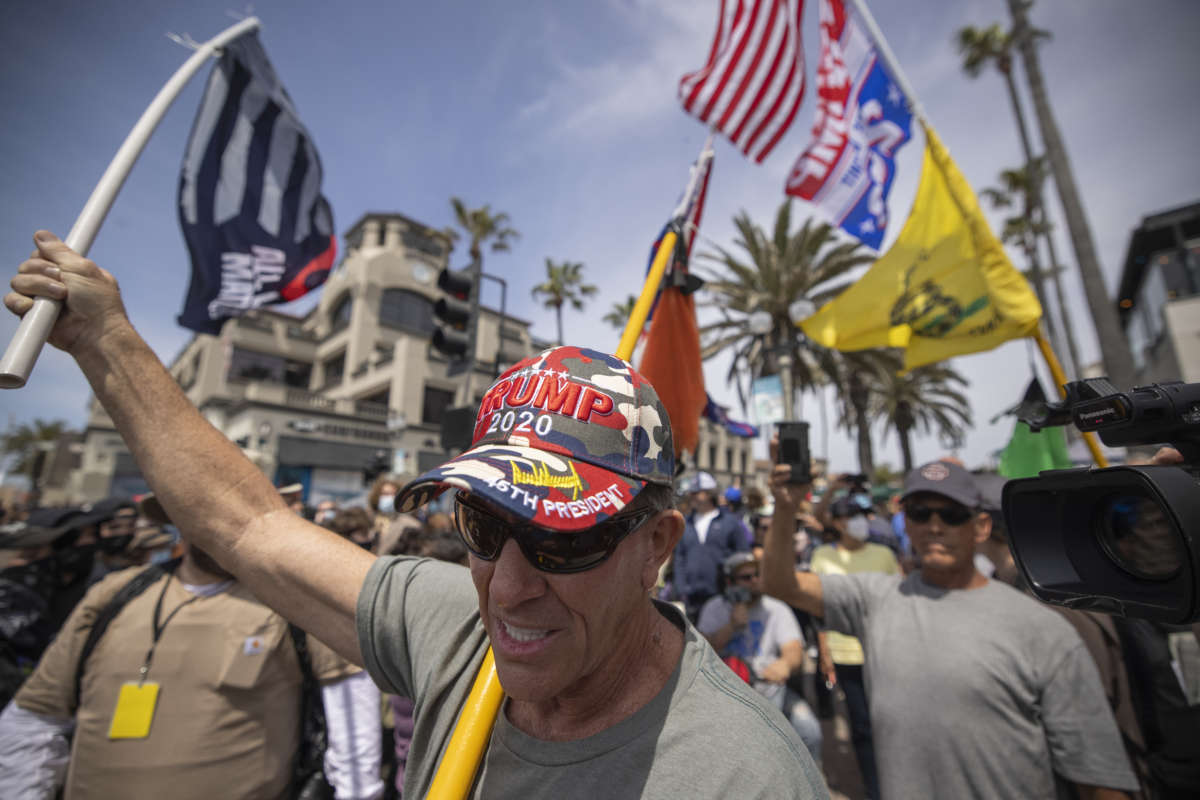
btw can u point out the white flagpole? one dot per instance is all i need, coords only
(889, 59)
(35, 326)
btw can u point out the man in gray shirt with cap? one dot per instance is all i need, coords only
(564, 500)
(974, 689)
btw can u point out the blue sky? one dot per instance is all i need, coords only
(562, 114)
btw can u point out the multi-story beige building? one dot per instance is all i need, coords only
(1159, 296)
(317, 399)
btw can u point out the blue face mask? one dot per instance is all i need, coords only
(386, 504)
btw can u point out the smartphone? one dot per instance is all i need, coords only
(793, 450)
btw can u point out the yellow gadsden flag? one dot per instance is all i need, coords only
(945, 288)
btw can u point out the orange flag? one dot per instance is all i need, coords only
(671, 362)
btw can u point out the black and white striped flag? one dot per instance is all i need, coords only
(256, 224)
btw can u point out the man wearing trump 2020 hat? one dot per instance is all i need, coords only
(563, 500)
(975, 690)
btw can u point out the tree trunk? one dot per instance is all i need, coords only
(824, 424)
(1114, 348)
(905, 448)
(558, 314)
(1036, 213)
(1029, 240)
(862, 425)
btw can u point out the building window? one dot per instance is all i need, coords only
(409, 311)
(339, 317)
(1135, 330)
(433, 409)
(1151, 299)
(297, 373)
(744, 470)
(249, 365)
(382, 233)
(712, 457)
(422, 243)
(335, 369)
(729, 459)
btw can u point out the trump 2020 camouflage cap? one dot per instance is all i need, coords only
(563, 440)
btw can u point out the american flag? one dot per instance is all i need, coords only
(751, 86)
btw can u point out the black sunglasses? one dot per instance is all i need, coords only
(484, 533)
(951, 515)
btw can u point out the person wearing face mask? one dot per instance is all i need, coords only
(114, 519)
(228, 720)
(27, 585)
(381, 502)
(841, 656)
(325, 512)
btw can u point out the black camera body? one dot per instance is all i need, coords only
(1121, 540)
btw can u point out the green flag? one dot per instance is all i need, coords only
(1029, 453)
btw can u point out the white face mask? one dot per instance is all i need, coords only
(857, 528)
(387, 503)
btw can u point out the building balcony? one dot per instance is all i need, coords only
(304, 401)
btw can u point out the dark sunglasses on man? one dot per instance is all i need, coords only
(485, 533)
(955, 514)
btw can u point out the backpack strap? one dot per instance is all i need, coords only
(140, 583)
(308, 777)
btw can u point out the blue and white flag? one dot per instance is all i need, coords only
(862, 120)
(257, 227)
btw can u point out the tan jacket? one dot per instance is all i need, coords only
(226, 723)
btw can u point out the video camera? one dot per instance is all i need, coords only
(1122, 540)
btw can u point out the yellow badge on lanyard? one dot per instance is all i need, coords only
(135, 710)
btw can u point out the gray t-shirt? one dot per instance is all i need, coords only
(975, 693)
(706, 734)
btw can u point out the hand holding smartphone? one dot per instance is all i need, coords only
(793, 450)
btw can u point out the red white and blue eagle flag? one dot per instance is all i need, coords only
(862, 120)
(257, 227)
(751, 85)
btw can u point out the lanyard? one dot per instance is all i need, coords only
(159, 628)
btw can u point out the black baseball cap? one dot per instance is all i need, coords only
(846, 507)
(946, 479)
(42, 526)
(102, 511)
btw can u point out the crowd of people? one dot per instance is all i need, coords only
(650, 636)
(61, 569)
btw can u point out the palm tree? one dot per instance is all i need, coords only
(23, 442)
(482, 226)
(993, 45)
(1024, 230)
(857, 376)
(563, 284)
(769, 274)
(1114, 348)
(618, 316)
(924, 399)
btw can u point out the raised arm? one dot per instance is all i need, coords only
(216, 497)
(801, 590)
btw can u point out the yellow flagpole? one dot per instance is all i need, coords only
(460, 762)
(1060, 378)
(641, 309)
